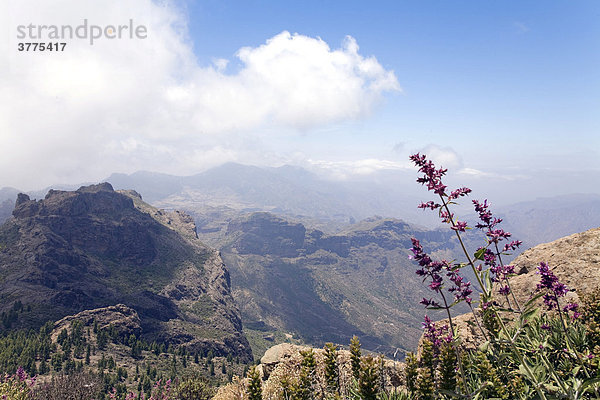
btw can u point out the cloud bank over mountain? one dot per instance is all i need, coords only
(131, 103)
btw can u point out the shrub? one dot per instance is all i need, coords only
(16, 386)
(193, 388)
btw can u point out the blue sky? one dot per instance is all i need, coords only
(520, 76)
(504, 91)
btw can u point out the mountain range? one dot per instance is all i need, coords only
(95, 248)
(307, 257)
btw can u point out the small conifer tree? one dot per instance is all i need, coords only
(305, 390)
(331, 368)
(355, 356)
(411, 372)
(447, 368)
(369, 379)
(255, 384)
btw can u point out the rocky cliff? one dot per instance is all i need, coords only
(294, 280)
(95, 248)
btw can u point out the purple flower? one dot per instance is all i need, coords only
(574, 307)
(436, 283)
(512, 245)
(485, 215)
(430, 303)
(489, 258)
(21, 374)
(545, 327)
(496, 235)
(432, 177)
(436, 335)
(430, 204)
(459, 226)
(549, 282)
(460, 288)
(446, 217)
(459, 193)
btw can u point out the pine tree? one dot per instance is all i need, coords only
(355, 356)
(411, 372)
(447, 368)
(88, 351)
(43, 367)
(306, 380)
(425, 384)
(369, 379)
(331, 368)
(255, 384)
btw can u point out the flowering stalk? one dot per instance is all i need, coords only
(432, 178)
(495, 235)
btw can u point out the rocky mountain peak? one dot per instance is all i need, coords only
(93, 199)
(94, 248)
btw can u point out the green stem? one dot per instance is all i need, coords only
(506, 279)
(456, 348)
(486, 298)
(553, 373)
(462, 245)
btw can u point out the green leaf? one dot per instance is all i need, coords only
(531, 302)
(529, 314)
(483, 347)
(479, 254)
(588, 383)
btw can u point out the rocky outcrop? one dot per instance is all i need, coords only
(574, 259)
(263, 233)
(124, 320)
(95, 248)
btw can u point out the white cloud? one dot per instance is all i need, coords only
(128, 104)
(445, 157)
(478, 174)
(343, 170)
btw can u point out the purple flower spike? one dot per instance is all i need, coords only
(549, 282)
(460, 226)
(459, 193)
(574, 307)
(436, 335)
(21, 374)
(432, 177)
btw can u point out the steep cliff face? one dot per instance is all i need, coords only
(94, 248)
(291, 279)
